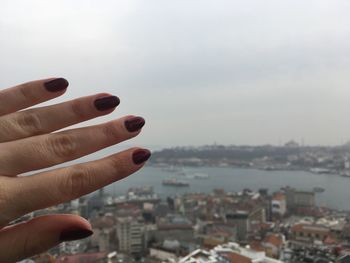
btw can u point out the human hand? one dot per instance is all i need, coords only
(28, 144)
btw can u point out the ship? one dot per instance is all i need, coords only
(171, 169)
(200, 176)
(318, 189)
(174, 182)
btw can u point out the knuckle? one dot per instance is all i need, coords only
(119, 167)
(5, 203)
(77, 183)
(29, 123)
(26, 91)
(62, 146)
(9, 206)
(111, 131)
(77, 109)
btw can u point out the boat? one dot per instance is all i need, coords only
(320, 171)
(174, 182)
(200, 176)
(269, 168)
(318, 189)
(171, 169)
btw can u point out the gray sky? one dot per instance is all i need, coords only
(231, 72)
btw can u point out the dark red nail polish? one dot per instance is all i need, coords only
(107, 103)
(140, 156)
(134, 124)
(74, 234)
(56, 85)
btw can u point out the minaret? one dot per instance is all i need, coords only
(101, 195)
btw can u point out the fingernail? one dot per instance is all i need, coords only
(56, 85)
(140, 156)
(74, 234)
(107, 103)
(134, 124)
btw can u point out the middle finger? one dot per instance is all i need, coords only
(47, 119)
(50, 149)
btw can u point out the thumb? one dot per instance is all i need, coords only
(26, 239)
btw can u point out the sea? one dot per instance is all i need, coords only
(336, 194)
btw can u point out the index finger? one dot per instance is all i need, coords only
(31, 93)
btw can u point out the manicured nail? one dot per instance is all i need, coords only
(74, 234)
(134, 124)
(107, 103)
(56, 85)
(140, 156)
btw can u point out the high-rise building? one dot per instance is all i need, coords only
(279, 204)
(130, 234)
(296, 199)
(241, 220)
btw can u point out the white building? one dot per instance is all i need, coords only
(130, 233)
(230, 252)
(163, 255)
(279, 204)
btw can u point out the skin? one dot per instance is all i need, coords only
(27, 144)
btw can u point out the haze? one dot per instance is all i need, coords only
(230, 72)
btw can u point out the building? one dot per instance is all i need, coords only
(241, 220)
(174, 227)
(273, 244)
(227, 253)
(163, 255)
(299, 199)
(310, 233)
(130, 235)
(98, 257)
(216, 234)
(343, 259)
(303, 198)
(104, 237)
(279, 204)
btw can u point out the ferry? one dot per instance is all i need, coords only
(174, 182)
(320, 171)
(200, 176)
(318, 189)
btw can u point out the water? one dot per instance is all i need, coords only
(336, 195)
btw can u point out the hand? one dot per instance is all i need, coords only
(27, 144)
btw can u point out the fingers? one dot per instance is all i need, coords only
(39, 234)
(44, 120)
(50, 149)
(65, 184)
(31, 93)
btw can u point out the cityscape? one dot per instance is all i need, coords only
(290, 156)
(250, 225)
(223, 122)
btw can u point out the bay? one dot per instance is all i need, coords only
(336, 195)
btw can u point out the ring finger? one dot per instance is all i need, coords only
(50, 149)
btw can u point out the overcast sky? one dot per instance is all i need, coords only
(205, 71)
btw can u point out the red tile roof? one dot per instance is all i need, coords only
(275, 240)
(310, 229)
(279, 197)
(237, 258)
(82, 258)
